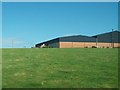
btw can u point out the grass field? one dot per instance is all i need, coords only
(60, 68)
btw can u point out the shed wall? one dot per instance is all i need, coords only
(86, 44)
(54, 45)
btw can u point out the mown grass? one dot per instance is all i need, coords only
(60, 68)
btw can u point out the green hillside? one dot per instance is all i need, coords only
(60, 68)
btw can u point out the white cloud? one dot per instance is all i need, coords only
(0, 42)
(15, 43)
(70, 34)
(8, 42)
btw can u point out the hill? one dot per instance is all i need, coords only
(60, 68)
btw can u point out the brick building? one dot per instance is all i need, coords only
(105, 40)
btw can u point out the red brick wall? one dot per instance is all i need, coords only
(86, 44)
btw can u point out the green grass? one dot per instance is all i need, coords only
(60, 68)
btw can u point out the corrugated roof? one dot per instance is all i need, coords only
(109, 37)
(77, 38)
(105, 37)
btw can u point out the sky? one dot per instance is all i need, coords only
(60, 0)
(25, 24)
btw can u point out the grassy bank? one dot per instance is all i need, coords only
(51, 68)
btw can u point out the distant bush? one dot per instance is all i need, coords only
(94, 47)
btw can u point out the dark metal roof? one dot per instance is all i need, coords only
(109, 37)
(48, 42)
(77, 38)
(105, 37)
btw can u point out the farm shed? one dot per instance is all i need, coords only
(105, 40)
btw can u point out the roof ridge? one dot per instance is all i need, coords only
(106, 33)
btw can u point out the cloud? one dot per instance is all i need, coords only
(69, 34)
(8, 42)
(15, 43)
(0, 42)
